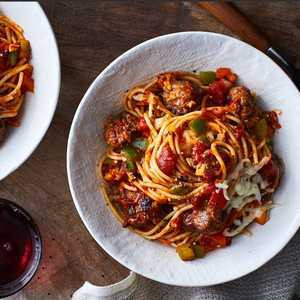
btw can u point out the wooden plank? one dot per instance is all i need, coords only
(90, 35)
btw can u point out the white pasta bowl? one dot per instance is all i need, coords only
(185, 51)
(39, 106)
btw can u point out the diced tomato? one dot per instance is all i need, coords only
(217, 199)
(207, 115)
(143, 127)
(167, 160)
(227, 74)
(218, 90)
(221, 240)
(209, 175)
(270, 172)
(198, 150)
(222, 72)
(198, 199)
(211, 242)
(28, 83)
(232, 77)
(227, 85)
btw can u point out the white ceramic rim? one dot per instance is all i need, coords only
(50, 116)
(280, 246)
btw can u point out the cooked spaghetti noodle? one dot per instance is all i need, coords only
(15, 72)
(190, 163)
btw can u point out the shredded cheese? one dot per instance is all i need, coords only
(244, 183)
(250, 215)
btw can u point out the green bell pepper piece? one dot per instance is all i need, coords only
(130, 152)
(13, 58)
(179, 190)
(130, 165)
(199, 251)
(198, 126)
(261, 128)
(108, 161)
(207, 77)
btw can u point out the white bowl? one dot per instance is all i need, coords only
(40, 106)
(185, 51)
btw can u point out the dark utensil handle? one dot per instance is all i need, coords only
(240, 25)
(236, 22)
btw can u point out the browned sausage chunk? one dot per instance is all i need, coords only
(114, 172)
(138, 209)
(119, 132)
(208, 220)
(207, 216)
(179, 96)
(241, 101)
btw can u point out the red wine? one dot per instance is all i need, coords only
(20, 248)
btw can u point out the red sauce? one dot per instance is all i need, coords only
(270, 173)
(212, 242)
(198, 200)
(198, 150)
(218, 90)
(217, 199)
(143, 127)
(3, 57)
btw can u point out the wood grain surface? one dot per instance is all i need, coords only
(90, 35)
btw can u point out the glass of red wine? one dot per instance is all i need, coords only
(20, 248)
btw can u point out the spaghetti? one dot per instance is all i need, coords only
(190, 163)
(15, 73)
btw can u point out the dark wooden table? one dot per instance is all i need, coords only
(90, 35)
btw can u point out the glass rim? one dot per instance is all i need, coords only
(16, 285)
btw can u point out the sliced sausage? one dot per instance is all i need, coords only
(197, 150)
(241, 101)
(119, 132)
(114, 172)
(179, 96)
(207, 216)
(138, 209)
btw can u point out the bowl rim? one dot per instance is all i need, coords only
(47, 124)
(293, 227)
